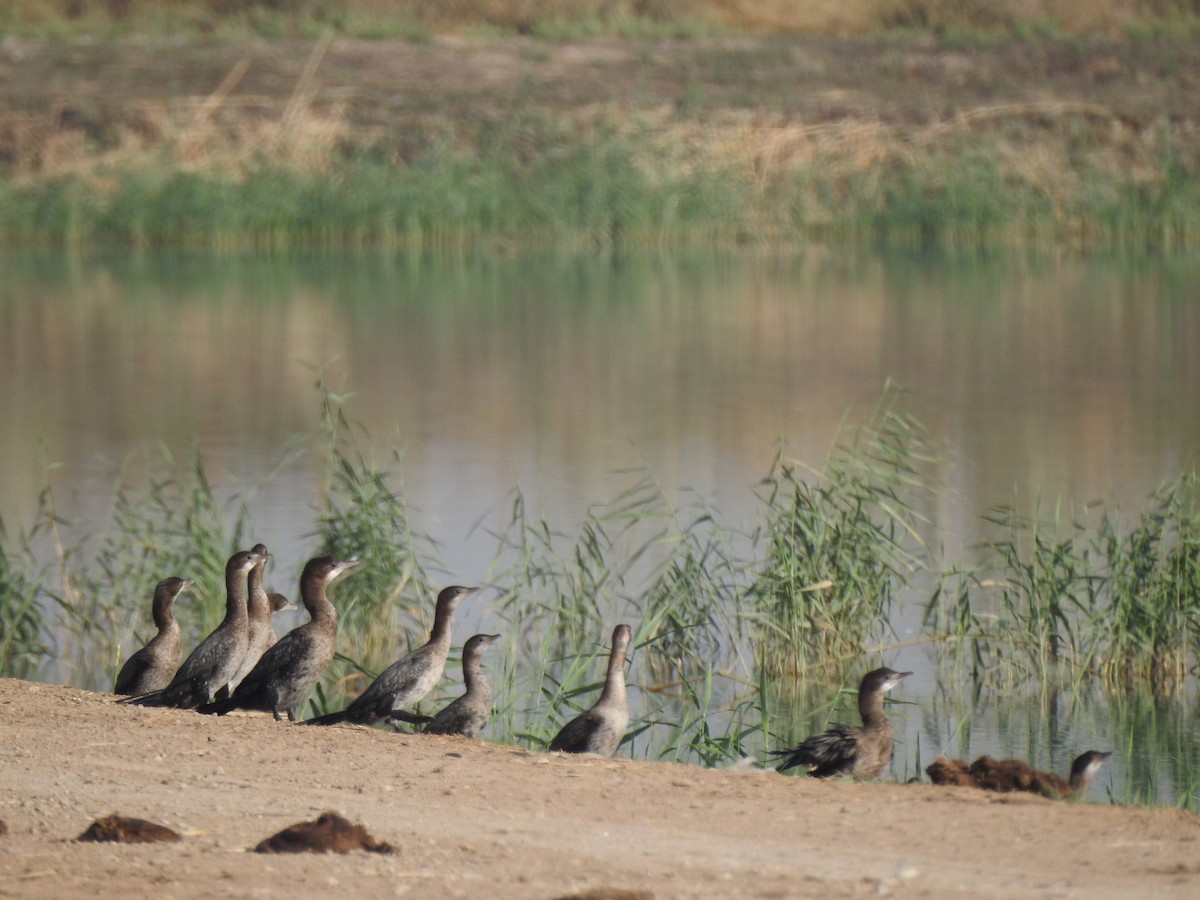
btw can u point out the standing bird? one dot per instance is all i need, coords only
(1006, 775)
(217, 659)
(601, 729)
(409, 678)
(260, 606)
(153, 667)
(468, 714)
(285, 674)
(861, 751)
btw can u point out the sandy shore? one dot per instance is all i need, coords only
(476, 820)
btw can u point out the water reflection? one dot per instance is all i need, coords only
(1043, 376)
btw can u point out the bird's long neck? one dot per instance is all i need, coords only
(259, 604)
(312, 593)
(477, 685)
(236, 595)
(164, 619)
(614, 683)
(443, 617)
(870, 707)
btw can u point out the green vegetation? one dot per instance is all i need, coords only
(1090, 597)
(723, 622)
(596, 192)
(762, 138)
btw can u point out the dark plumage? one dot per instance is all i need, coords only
(861, 751)
(153, 667)
(409, 678)
(216, 660)
(1006, 775)
(260, 606)
(601, 729)
(285, 674)
(468, 714)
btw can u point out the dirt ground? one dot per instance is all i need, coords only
(470, 819)
(768, 92)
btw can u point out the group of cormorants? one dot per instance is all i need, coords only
(241, 665)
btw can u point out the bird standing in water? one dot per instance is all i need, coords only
(153, 667)
(409, 678)
(602, 728)
(863, 751)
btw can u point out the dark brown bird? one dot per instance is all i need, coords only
(862, 751)
(602, 728)
(260, 606)
(469, 714)
(153, 667)
(1007, 775)
(217, 659)
(330, 833)
(409, 678)
(285, 674)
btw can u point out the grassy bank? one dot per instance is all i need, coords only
(966, 138)
(619, 185)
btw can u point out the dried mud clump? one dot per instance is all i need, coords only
(330, 833)
(126, 830)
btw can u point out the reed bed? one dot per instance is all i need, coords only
(611, 187)
(741, 640)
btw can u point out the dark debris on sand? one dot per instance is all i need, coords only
(330, 833)
(127, 830)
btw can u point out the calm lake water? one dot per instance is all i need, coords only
(1040, 376)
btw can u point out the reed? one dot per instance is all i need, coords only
(386, 608)
(22, 578)
(1085, 596)
(838, 546)
(601, 183)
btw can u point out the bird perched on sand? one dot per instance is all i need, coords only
(260, 606)
(863, 751)
(284, 675)
(601, 729)
(468, 714)
(217, 658)
(153, 667)
(1006, 775)
(409, 678)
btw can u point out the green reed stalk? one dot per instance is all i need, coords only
(22, 579)
(837, 547)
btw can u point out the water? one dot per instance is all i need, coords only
(1044, 377)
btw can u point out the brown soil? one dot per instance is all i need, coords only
(478, 820)
(780, 95)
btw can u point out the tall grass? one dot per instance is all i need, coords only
(592, 182)
(1088, 597)
(838, 546)
(22, 579)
